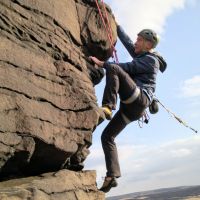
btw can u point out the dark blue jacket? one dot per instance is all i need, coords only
(144, 67)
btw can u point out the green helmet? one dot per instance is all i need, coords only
(150, 35)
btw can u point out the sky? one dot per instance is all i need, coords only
(163, 153)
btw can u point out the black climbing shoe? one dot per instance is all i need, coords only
(108, 112)
(108, 183)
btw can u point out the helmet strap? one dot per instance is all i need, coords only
(143, 46)
(145, 49)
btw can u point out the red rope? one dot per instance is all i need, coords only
(108, 29)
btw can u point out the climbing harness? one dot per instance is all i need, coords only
(107, 28)
(144, 119)
(177, 118)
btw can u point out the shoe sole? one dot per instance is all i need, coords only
(108, 188)
(107, 115)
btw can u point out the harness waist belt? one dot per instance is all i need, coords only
(133, 97)
(148, 95)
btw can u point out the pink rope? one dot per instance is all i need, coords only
(108, 29)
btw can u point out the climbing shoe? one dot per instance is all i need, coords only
(108, 183)
(108, 112)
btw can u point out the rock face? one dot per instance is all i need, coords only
(48, 107)
(63, 185)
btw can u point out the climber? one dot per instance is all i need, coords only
(135, 82)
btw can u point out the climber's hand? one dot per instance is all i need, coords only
(96, 61)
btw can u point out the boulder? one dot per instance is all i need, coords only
(62, 185)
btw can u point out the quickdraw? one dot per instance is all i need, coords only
(177, 118)
(144, 119)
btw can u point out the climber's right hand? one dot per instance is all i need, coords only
(96, 61)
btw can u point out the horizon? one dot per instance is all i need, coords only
(157, 191)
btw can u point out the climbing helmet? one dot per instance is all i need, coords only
(150, 35)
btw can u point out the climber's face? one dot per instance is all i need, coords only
(142, 45)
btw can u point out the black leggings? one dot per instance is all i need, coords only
(118, 81)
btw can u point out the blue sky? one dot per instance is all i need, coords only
(163, 153)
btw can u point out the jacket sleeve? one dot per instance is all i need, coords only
(140, 65)
(126, 41)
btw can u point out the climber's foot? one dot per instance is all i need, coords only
(108, 112)
(108, 183)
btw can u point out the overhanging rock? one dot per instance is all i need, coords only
(48, 107)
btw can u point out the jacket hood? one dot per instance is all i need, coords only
(162, 62)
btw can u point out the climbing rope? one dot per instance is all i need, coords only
(177, 118)
(145, 118)
(107, 28)
(110, 31)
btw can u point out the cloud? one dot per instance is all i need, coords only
(135, 15)
(149, 167)
(191, 87)
(166, 165)
(189, 92)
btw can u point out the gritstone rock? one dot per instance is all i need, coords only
(48, 108)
